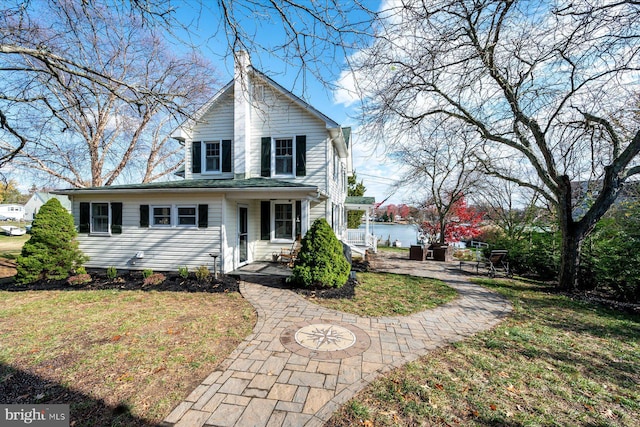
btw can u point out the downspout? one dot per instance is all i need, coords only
(223, 236)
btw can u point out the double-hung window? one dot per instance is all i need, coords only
(100, 218)
(161, 216)
(283, 156)
(212, 156)
(283, 217)
(187, 216)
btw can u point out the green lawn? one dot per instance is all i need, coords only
(554, 361)
(102, 351)
(385, 294)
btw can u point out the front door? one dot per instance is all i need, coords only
(243, 234)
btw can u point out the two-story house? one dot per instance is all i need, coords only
(260, 165)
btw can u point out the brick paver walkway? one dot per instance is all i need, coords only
(270, 380)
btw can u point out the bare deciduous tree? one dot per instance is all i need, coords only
(546, 84)
(443, 173)
(88, 88)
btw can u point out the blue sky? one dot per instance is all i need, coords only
(202, 20)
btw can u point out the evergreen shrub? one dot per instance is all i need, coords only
(321, 261)
(51, 252)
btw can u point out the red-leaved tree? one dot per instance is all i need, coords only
(456, 223)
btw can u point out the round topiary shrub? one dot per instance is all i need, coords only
(321, 261)
(51, 252)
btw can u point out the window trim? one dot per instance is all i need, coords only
(176, 216)
(272, 224)
(274, 170)
(152, 216)
(91, 230)
(203, 156)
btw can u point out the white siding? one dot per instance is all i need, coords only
(215, 125)
(165, 249)
(278, 117)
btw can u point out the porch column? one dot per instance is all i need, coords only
(366, 221)
(304, 217)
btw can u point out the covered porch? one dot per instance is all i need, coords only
(361, 240)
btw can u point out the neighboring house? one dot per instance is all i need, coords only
(38, 199)
(12, 211)
(260, 165)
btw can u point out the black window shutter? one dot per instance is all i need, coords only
(265, 158)
(203, 216)
(301, 155)
(226, 155)
(196, 159)
(116, 218)
(144, 215)
(265, 220)
(298, 218)
(85, 217)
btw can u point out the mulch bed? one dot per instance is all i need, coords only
(347, 291)
(131, 281)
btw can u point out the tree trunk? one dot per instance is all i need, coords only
(443, 228)
(573, 234)
(570, 257)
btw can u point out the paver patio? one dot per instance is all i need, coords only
(303, 361)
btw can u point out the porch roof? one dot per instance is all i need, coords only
(359, 203)
(223, 185)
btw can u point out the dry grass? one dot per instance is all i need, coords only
(124, 357)
(555, 361)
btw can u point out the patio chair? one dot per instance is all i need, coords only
(497, 263)
(289, 255)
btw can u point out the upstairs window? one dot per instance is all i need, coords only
(281, 157)
(212, 157)
(284, 156)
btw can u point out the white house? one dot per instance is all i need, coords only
(260, 165)
(38, 199)
(12, 211)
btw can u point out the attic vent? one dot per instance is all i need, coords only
(258, 93)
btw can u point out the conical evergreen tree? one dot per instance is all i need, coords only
(51, 252)
(321, 261)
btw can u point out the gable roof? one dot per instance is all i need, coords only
(297, 100)
(181, 132)
(43, 197)
(359, 202)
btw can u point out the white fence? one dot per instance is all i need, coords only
(357, 237)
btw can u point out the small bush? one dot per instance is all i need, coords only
(183, 271)
(81, 270)
(321, 261)
(154, 279)
(202, 273)
(79, 279)
(147, 272)
(610, 258)
(51, 252)
(112, 272)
